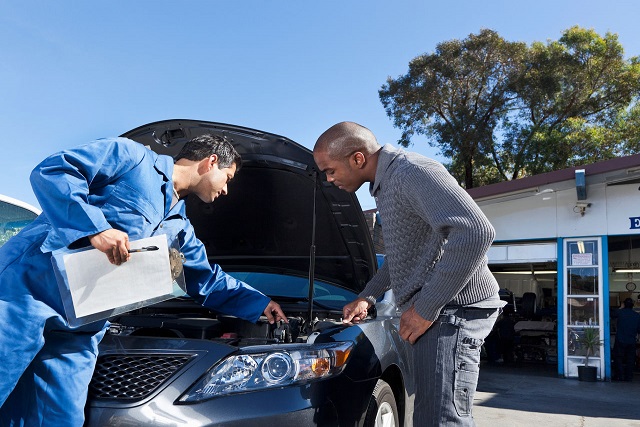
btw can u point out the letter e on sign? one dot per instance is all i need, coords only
(635, 223)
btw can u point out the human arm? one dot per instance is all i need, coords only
(412, 325)
(65, 182)
(464, 233)
(378, 285)
(210, 286)
(274, 313)
(114, 243)
(355, 311)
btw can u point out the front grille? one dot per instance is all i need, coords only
(133, 377)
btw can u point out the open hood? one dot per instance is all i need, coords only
(266, 221)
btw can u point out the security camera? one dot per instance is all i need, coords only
(581, 207)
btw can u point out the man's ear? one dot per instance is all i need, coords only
(358, 159)
(206, 164)
(212, 160)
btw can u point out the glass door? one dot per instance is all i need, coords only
(582, 302)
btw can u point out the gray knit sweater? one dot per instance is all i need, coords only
(435, 236)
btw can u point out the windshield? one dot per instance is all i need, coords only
(13, 219)
(278, 285)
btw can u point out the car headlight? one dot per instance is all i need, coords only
(264, 367)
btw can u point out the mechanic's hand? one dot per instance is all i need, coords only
(355, 311)
(412, 325)
(114, 243)
(274, 313)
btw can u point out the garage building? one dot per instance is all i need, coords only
(566, 254)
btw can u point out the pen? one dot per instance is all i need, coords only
(145, 249)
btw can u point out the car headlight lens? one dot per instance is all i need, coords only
(277, 367)
(262, 367)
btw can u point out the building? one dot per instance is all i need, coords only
(567, 249)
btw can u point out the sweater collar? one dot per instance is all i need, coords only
(387, 155)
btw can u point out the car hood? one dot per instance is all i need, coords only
(267, 221)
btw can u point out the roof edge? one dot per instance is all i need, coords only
(534, 181)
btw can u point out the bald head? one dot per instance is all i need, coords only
(345, 138)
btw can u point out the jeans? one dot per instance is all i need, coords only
(446, 360)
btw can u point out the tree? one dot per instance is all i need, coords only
(573, 98)
(456, 96)
(501, 110)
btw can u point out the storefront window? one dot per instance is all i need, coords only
(582, 252)
(583, 281)
(583, 311)
(575, 347)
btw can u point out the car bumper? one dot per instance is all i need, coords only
(295, 406)
(340, 400)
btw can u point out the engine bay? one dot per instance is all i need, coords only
(183, 318)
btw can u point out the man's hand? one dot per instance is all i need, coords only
(114, 243)
(355, 311)
(274, 313)
(412, 325)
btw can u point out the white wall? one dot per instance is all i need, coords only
(594, 221)
(554, 214)
(524, 218)
(623, 202)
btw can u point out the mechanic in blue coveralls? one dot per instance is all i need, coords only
(103, 194)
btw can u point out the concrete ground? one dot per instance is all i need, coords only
(536, 396)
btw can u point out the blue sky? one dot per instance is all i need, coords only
(73, 71)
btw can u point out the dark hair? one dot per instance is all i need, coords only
(203, 146)
(628, 303)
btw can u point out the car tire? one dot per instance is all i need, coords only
(382, 410)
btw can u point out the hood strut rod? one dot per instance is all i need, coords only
(312, 257)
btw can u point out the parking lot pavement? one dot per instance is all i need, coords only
(536, 396)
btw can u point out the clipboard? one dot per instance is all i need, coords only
(93, 289)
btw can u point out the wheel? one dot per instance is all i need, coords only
(382, 410)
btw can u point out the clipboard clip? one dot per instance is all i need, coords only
(176, 259)
(145, 249)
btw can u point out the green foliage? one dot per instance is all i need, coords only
(590, 341)
(502, 110)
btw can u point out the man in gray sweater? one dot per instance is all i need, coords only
(436, 239)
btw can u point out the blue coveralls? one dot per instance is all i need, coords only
(46, 365)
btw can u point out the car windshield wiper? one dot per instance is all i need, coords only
(286, 298)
